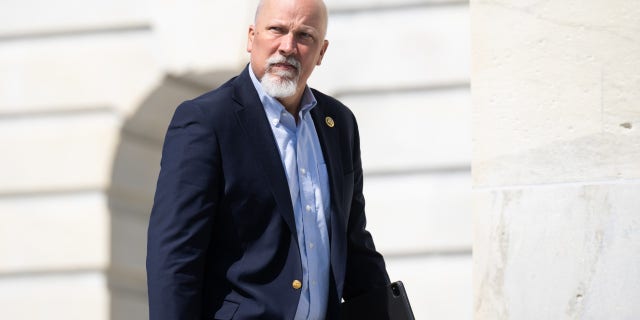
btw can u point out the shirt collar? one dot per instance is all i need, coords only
(274, 108)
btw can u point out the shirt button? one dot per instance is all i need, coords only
(275, 122)
(303, 171)
(311, 245)
(308, 208)
(296, 284)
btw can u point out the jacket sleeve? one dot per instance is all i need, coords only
(365, 268)
(183, 211)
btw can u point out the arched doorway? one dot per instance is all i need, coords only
(134, 174)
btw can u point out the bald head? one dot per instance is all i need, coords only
(316, 6)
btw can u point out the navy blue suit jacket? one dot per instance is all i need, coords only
(222, 239)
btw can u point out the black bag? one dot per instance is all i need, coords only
(385, 303)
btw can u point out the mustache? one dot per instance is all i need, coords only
(282, 59)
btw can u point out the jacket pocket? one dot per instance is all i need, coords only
(227, 311)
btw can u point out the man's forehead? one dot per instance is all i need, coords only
(312, 12)
(303, 23)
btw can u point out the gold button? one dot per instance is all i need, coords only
(296, 284)
(329, 122)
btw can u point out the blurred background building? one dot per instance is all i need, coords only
(86, 92)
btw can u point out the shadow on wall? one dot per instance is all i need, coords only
(133, 183)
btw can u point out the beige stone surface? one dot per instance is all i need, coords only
(338, 5)
(419, 213)
(413, 130)
(128, 307)
(53, 153)
(412, 47)
(557, 252)
(438, 286)
(128, 250)
(196, 35)
(56, 232)
(135, 174)
(149, 121)
(34, 17)
(555, 91)
(555, 162)
(74, 296)
(76, 72)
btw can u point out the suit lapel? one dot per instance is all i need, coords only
(330, 144)
(254, 122)
(331, 148)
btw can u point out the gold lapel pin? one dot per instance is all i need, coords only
(329, 122)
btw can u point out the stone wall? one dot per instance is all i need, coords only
(555, 164)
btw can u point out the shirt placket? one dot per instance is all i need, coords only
(306, 165)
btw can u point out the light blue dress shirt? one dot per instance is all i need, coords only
(306, 172)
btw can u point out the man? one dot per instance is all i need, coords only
(259, 212)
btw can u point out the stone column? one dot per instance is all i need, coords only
(556, 159)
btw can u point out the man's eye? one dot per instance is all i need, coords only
(275, 29)
(305, 36)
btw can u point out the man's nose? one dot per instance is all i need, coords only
(287, 44)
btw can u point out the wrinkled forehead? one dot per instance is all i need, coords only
(312, 13)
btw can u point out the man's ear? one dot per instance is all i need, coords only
(325, 45)
(250, 36)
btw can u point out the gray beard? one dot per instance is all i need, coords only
(280, 85)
